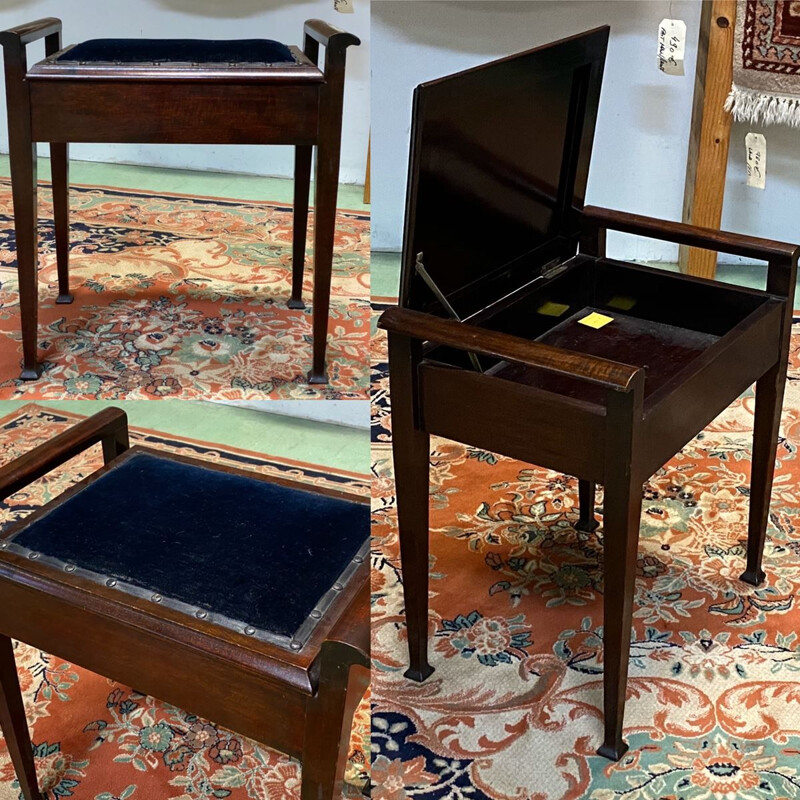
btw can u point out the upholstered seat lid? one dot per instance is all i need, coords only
(248, 554)
(191, 51)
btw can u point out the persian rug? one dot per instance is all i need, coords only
(185, 297)
(766, 63)
(514, 708)
(95, 739)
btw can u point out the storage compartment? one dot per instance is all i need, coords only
(660, 321)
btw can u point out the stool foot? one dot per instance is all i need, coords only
(418, 675)
(296, 304)
(31, 373)
(613, 752)
(587, 526)
(317, 379)
(64, 299)
(753, 577)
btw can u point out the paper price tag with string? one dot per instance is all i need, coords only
(756, 155)
(671, 46)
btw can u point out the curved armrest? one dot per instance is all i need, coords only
(721, 241)
(31, 31)
(469, 338)
(348, 640)
(109, 426)
(329, 35)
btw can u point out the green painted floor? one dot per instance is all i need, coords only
(183, 181)
(302, 440)
(318, 443)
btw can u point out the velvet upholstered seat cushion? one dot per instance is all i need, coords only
(244, 552)
(194, 51)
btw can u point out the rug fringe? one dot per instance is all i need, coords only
(763, 108)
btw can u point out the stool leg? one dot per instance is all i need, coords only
(59, 165)
(769, 399)
(622, 508)
(411, 453)
(24, 191)
(302, 186)
(586, 522)
(326, 189)
(328, 724)
(13, 723)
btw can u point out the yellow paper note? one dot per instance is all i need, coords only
(550, 309)
(595, 320)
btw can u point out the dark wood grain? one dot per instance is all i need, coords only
(300, 702)
(62, 101)
(610, 405)
(13, 723)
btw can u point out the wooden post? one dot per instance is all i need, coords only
(710, 131)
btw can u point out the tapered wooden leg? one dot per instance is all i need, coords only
(325, 192)
(622, 509)
(302, 187)
(586, 522)
(23, 187)
(769, 399)
(59, 166)
(328, 725)
(13, 723)
(411, 451)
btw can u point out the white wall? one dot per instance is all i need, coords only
(209, 19)
(639, 157)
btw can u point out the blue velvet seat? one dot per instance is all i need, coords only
(258, 557)
(195, 51)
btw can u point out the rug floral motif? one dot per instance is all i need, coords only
(180, 296)
(95, 739)
(514, 707)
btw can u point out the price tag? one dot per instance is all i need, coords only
(756, 154)
(671, 46)
(595, 320)
(344, 6)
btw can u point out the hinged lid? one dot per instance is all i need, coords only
(499, 160)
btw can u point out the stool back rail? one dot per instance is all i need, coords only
(301, 703)
(59, 102)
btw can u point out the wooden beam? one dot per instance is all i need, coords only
(710, 132)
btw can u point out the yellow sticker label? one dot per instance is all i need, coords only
(550, 309)
(595, 320)
(622, 303)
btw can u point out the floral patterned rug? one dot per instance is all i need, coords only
(514, 707)
(180, 296)
(98, 740)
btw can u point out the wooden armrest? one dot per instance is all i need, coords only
(348, 640)
(31, 31)
(328, 35)
(471, 339)
(681, 233)
(110, 424)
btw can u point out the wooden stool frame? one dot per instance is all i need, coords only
(299, 702)
(620, 445)
(61, 102)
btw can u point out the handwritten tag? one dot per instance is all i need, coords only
(595, 320)
(344, 6)
(756, 153)
(671, 46)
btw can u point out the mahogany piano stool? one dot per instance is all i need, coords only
(501, 263)
(174, 91)
(242, 598)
